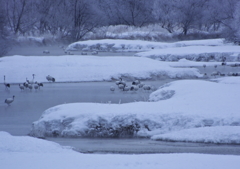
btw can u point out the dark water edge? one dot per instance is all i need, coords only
(143, 146)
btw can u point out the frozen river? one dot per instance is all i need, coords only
(29, 105)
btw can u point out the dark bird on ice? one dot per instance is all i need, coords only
(9, 100)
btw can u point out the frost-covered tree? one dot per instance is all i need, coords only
(165, 13)
(83, 16)
(128, 12)
(19, 15)
(4, 35)
(181, 14)
(189, 13)
(236, 24)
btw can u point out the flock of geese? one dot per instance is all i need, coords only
(134, 86)
(218, 73)
(26, 85)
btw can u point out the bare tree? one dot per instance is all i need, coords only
(82, 16)
(17, 13)
(128, 12)
(4, 35)
(165, 13)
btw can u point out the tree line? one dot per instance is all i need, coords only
(73, 19)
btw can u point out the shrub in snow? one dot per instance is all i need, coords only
(176, 106)
(122, 126)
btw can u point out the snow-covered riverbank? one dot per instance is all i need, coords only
(88, 68)
(180, 105)
(27, 152)
(187, 110)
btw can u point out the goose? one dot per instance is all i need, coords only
(7, 85)
(36, 86)
(40, 84)
(83, 53)
(121, 82)
(30, 86)
(32, 80)
(126, 88)
(25, 84)
(121, 86)
(136, 82)
(21, 86)
(140, 85)
(94, 52)
(9, 100)
(215, 73)
(112, 88)
(46, 51)
(70, 53)
(147, 87)
(118, 82)
(50, 78)
(134, 88)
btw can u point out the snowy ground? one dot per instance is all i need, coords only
(173, 107)
(186, 110)
(198, 50)
(137, 45)
(27, 152)
(88, 68)
(195, 53)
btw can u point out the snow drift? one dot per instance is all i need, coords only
(176, 106)
(26, 152)
(88, 68)
(195, 53)
(119, 45)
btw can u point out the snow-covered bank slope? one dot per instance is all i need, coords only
(178, 105)
(195, 53)
(87, 68)
(219, 134)
(25, 152)
(137, 45)
(26, 144)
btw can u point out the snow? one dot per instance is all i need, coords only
(183, 110)
(26, 144)
(175, 106)
(229, 80)
(195, 53)
(197, 50)
(219, 134)
(88, 68)
(50, 155)
(138, 45)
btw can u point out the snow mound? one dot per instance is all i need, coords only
(88, 68)
(162, 93)
(9, 143)
(227, 80)
(220, 134)
(195, 53)
(137, 45)
(187, 108)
